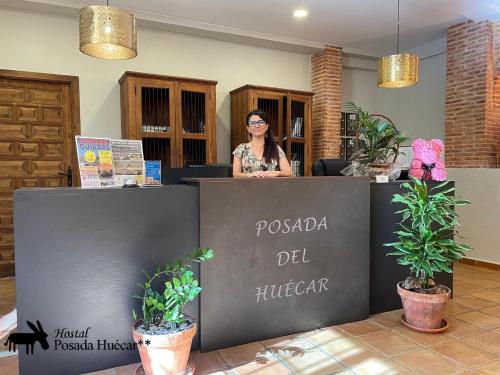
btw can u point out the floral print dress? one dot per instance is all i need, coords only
(250, 163)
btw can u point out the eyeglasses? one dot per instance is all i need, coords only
(254, 124)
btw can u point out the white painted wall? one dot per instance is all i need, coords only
(50, 44)
(480, 220)
(419, 110)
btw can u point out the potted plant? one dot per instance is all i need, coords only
(376, 145)
(425, 244)
(164, 333)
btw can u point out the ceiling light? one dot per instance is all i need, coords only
(107, 32)
(300, 13)
(400, 70)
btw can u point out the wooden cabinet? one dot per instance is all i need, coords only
(174, 117)
(290, 119)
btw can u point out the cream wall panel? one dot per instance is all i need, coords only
(49, 44)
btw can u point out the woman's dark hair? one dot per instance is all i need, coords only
(270, 147)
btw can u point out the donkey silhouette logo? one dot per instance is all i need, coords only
(29, 339)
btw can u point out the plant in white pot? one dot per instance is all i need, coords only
(426, 244)
(164, 333)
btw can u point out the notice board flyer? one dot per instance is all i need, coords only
(95, 161)
(128, 161)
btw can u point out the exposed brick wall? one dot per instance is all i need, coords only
(472, 125)
(326, 82)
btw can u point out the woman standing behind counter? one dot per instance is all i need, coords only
(261, 157)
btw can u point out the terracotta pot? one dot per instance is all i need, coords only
(424, 311)
(166, 354)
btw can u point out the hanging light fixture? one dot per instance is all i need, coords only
(107, 32)
(400, 70)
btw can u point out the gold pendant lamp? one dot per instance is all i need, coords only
(400, 70)
(107, 32)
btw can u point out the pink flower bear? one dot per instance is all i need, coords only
(426, 163)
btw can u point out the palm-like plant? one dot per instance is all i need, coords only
(376, 140)
(425, 241)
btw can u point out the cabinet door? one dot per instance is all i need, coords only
(298, 130)
(155, 119)
(195, 124)
(273, 104)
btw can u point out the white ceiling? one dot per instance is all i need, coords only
(364, 26)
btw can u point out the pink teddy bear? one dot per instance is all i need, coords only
(426, 163)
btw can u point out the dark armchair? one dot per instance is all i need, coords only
(329, 167)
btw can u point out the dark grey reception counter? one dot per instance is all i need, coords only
(292, 254)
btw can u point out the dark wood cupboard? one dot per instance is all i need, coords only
(174, 117)
(290, 119)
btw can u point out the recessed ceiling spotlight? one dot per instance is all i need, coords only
(300, 13)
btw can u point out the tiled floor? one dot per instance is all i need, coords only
(379, 345)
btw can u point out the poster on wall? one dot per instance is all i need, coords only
(128, 162)
(95, 161)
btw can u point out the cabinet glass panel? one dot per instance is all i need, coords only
(271, 106)
(193, 112)
(157, 149)
(155, 109)
(297, 158)
(194, 152)
(297, 119)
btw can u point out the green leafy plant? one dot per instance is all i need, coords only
(425, 239)
(168, 290)
(376, 140)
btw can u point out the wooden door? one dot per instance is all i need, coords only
(155, 122)
(272, 103)
(195, 117)
(37, 129)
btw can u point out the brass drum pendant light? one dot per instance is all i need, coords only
(107, 33)
(400, 70)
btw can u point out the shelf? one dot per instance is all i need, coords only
(298, 140)
(194, 136)
(156, 135)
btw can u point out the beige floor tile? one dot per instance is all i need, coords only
(103, 372)
(327, 335)
(351, 353)
(390, 343)
(7, 295)
(296, 348)
(489, 341)
(454, 308)
(242, 354)
(495, 311)
(480, 319)
(423, 338)
(488, 295)
(463, 353)
(380, 367)
(9, 365)
(473, 302)
(360, 328)
(206, 363)
(268, 368)
(492, 368)
(426, 362)
(486, 284)
(311, 361)
(126, 370)
(459, 329)
(288, 341)
(388, 319)
(463, 287)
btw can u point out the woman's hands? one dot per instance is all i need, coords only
(263, 174)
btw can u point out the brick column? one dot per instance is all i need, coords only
(326, 82)
(472, 125)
